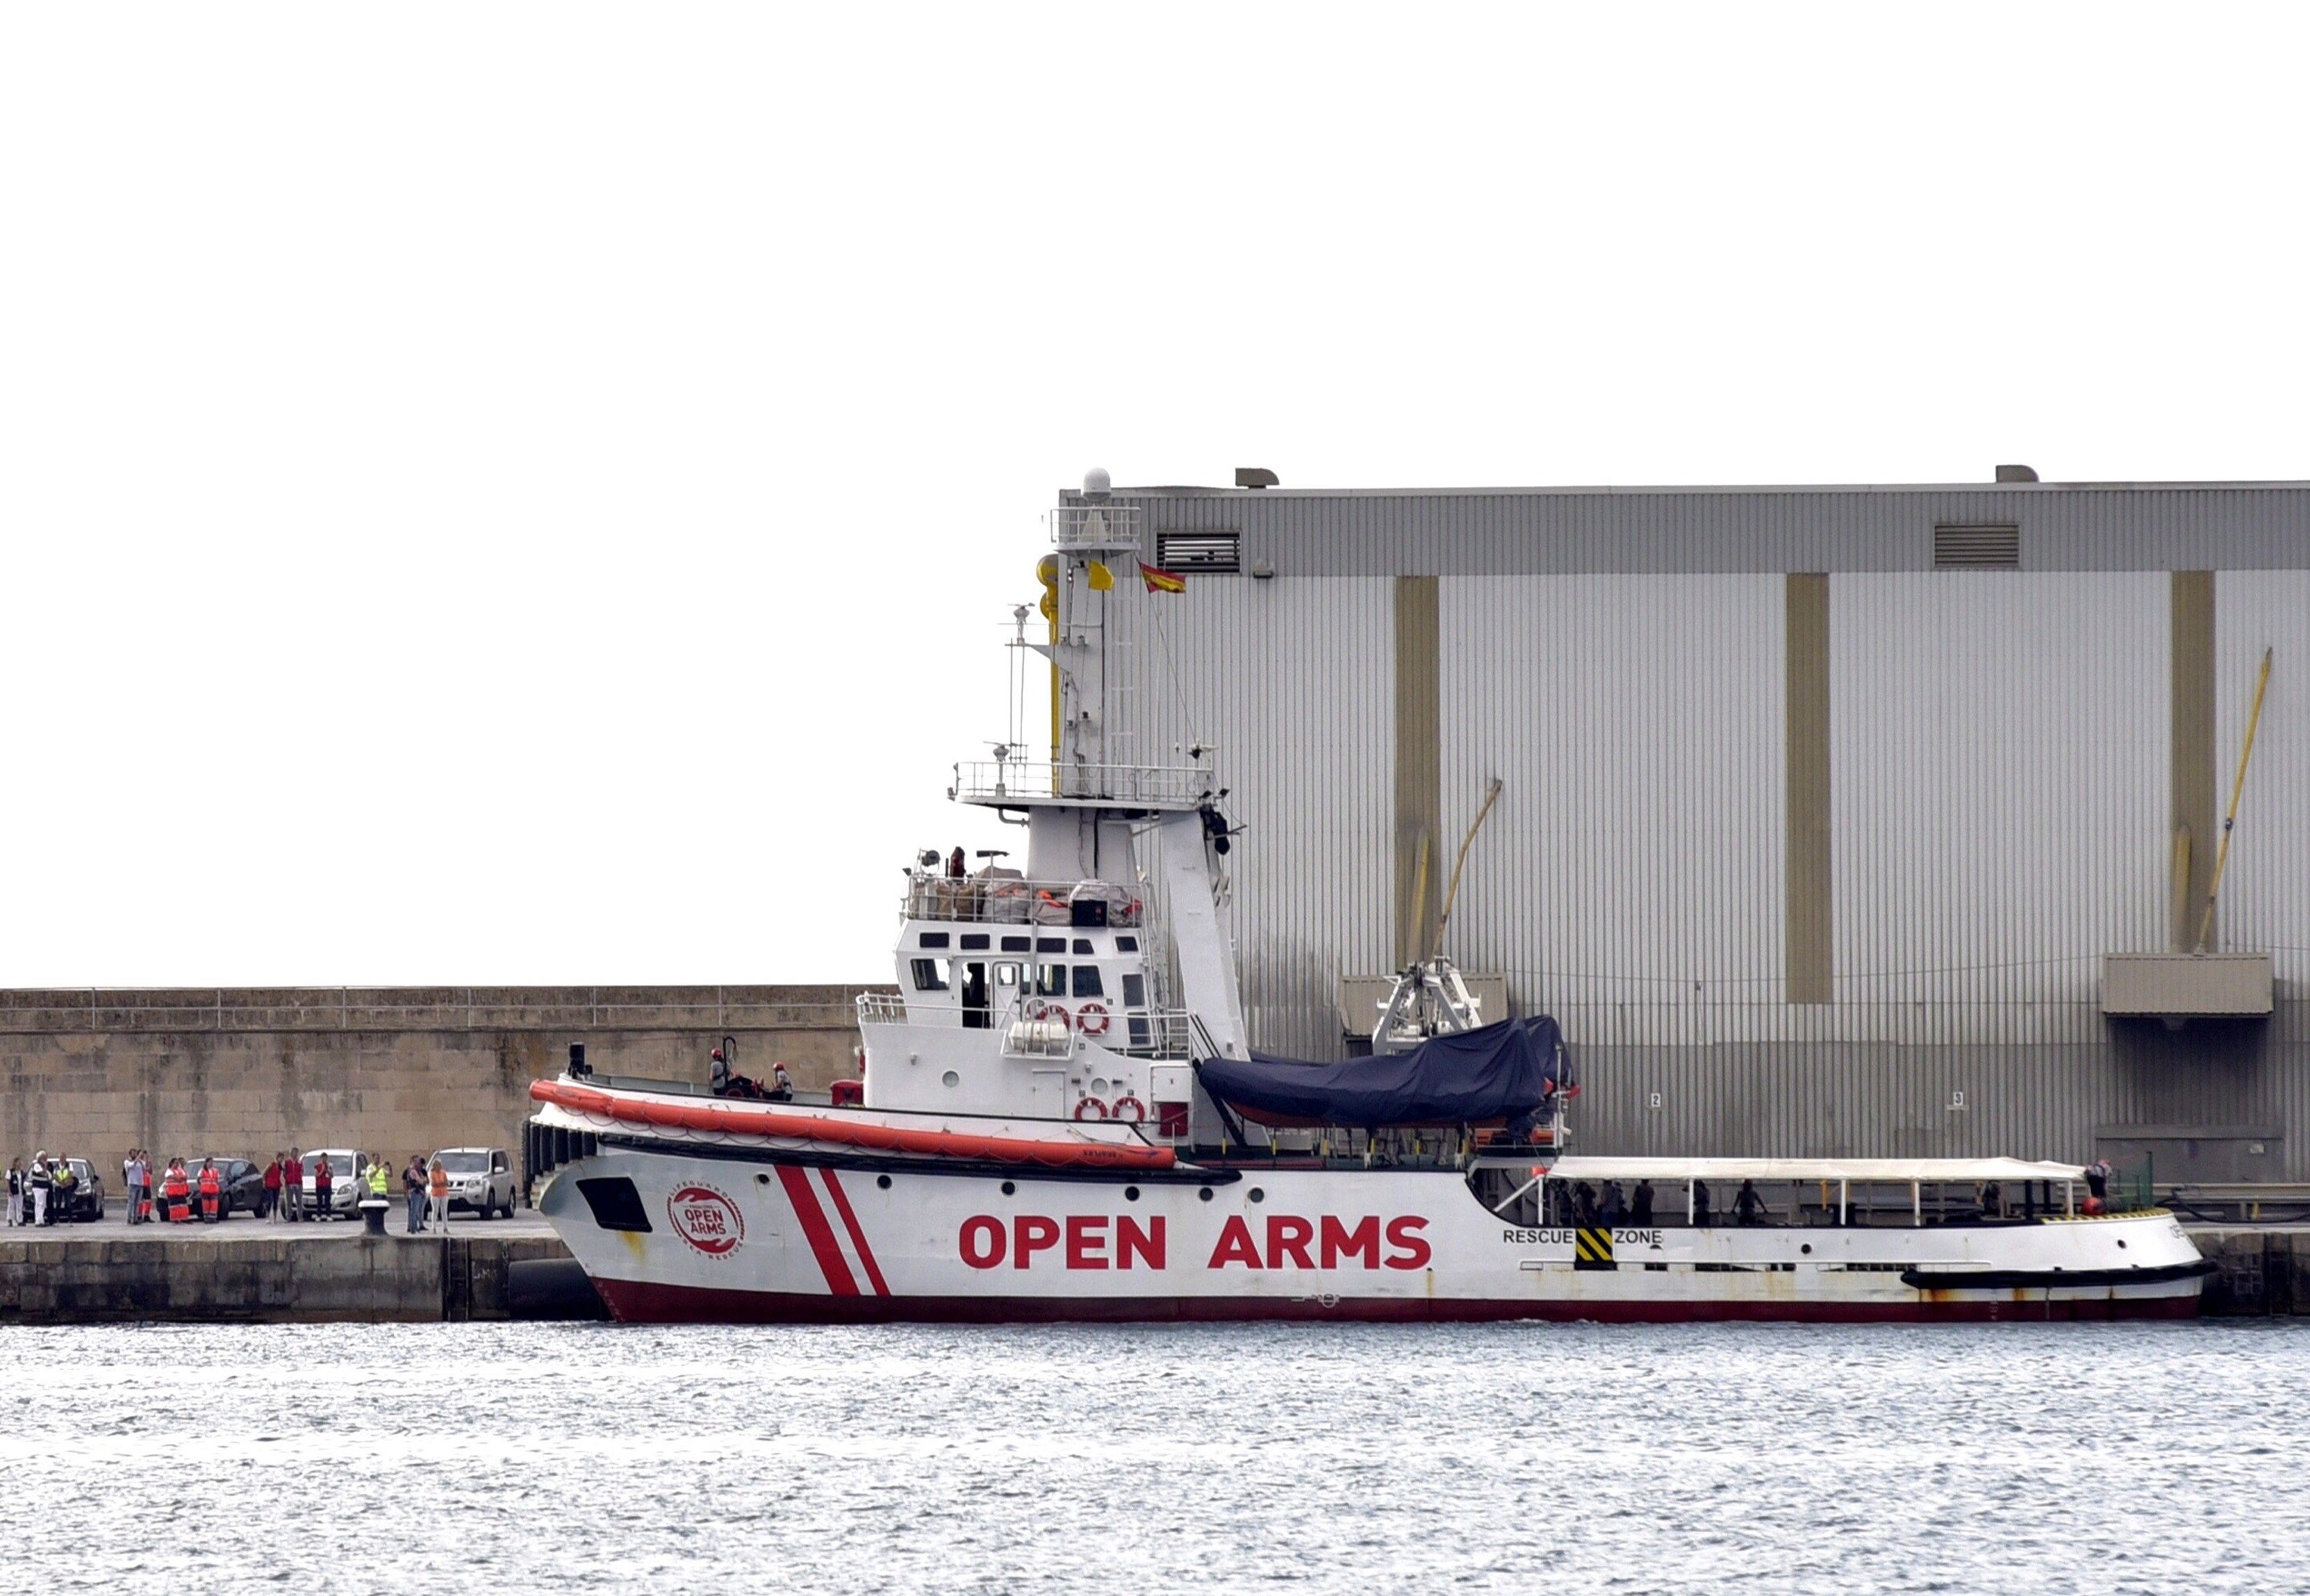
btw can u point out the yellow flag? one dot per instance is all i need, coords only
(1101, 580)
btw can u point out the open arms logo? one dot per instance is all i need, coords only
(706, 1218)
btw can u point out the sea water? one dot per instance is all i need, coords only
(2154, 1458)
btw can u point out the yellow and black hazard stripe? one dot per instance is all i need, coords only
(1593, 1249)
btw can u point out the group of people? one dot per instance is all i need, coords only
(725, 1082)
(283, 1202)
(1611, 1206)
(426, 1188)
(186, 1194)
(175, 1191)
(38, 1196)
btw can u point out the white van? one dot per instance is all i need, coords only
(348, 1182)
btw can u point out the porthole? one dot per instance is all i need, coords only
(1257, 1195)
(1205, 1194)
(950, 1079)
(1010, 1189)
(882, 1180)
(1131, 1193)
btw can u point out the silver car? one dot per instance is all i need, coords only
(480, 1180)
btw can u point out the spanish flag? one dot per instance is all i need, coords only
(1161, 581)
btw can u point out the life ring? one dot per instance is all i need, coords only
(1093, 1019)
(1056, 1012)
(1090, 1103)
(1138, 1109)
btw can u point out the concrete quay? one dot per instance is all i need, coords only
(249, 1271)
(2260, 1269)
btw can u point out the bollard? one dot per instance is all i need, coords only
(373, 1211)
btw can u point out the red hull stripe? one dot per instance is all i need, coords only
(643, 1301)
(744, 1120)
(820, 1233)
(857, 1236)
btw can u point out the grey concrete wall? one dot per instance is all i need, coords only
(360, 1279)
(247, 1073)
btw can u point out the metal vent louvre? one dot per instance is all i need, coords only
(1199, 550)
(1976, 548)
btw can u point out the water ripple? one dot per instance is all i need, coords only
(2106, 1459)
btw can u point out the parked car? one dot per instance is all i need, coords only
(480, 1180)
(84, 1202)
(348, 1173)
(244, 1185)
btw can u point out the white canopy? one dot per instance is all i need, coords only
(1886, 1170)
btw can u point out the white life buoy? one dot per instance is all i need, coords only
(1090, 1105)
(1093, 1018)
(1138, 1110)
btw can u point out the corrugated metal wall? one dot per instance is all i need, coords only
(1293, 684)
(1999, 795)
(1630, 878)
(2265, 896)
(1999, 756)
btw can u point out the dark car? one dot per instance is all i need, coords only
(243, 1185)
(83, 1201)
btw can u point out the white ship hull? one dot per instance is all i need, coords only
(746, 1235)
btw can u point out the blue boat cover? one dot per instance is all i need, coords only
(1496, 1072)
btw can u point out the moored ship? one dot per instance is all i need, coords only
(1061, 1117)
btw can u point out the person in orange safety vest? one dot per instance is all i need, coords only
(211, 1192)
(179, 1190)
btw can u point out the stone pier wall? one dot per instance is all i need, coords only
(245, 1072)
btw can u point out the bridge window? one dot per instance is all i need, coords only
(1134, 991)
(929, 975)
(1050, 980)
(1087, 984)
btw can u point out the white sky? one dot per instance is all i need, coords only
(532, 493)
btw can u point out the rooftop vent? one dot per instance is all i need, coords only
(1183, 551)
(1977, 548)
(1257, 476)
(2015, 473)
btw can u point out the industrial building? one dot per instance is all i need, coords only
(1833, 819)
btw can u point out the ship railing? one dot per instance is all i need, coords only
(993, 898)
(1032, 781)
(881, 1008)
(1029, 1027)
(1096, 526)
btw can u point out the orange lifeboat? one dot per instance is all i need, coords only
(747, 1119)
